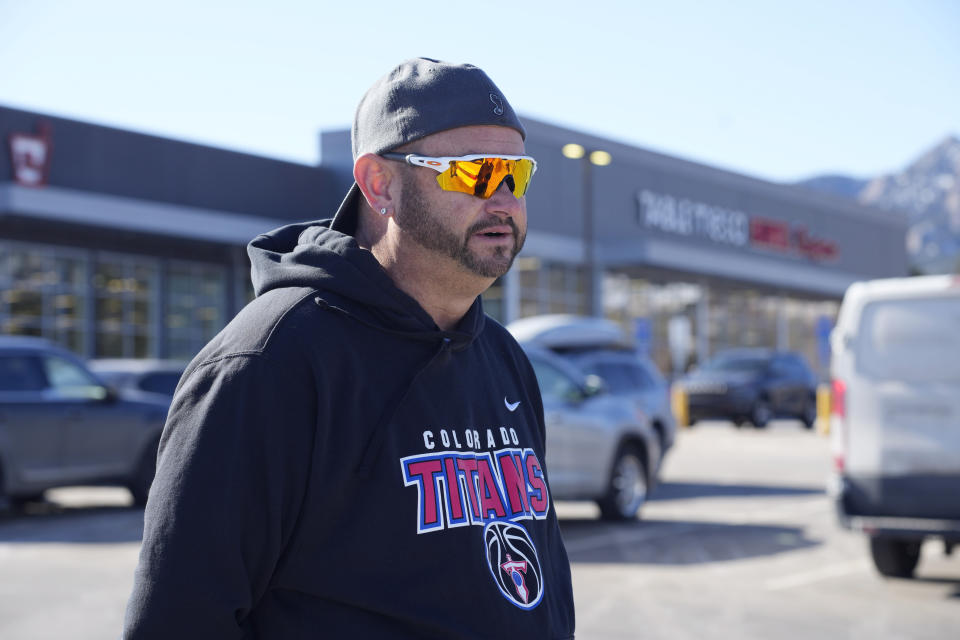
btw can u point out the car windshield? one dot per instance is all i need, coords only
(733, 362)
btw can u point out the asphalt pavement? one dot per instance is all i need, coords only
(738, 541)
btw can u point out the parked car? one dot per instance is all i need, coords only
(599, 447)
(895, 424)
(752, 385)
(601, 347)
(62, 425)
(141, 376)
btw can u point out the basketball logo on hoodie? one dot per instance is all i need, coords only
(512, 560)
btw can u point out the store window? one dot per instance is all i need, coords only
(196, 303)
(107, 305)
(661, 316)
(551, 287)
(124, 290)
(43, 293)
(808, 331)
(742, 318)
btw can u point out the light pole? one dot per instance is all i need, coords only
(588, 160)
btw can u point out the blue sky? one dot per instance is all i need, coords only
(778, 90)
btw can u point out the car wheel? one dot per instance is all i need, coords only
(627, 488)
(895, 558)
(761, 414)
(809, 415)
(139, 484)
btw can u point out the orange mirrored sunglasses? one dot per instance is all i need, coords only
(478, 175)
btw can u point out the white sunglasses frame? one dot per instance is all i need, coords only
(442, 163)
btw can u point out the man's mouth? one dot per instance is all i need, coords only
(498, 231)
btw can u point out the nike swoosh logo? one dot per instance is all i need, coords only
(511, 406)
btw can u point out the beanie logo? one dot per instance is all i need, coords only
(497, 104)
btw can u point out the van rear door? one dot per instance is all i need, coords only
(904, 406)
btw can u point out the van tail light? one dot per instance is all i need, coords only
(839, 462)
(838, 401)
(838, 407)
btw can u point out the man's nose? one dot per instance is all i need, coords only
(503, 201)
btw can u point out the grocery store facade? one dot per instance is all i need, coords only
(119, 244)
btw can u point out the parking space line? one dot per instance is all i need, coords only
(816, 575)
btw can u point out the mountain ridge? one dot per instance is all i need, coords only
(927, 190)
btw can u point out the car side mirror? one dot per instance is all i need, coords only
(109, 396)
(594, 385)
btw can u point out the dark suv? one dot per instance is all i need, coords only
(752, 385)
(61, 425)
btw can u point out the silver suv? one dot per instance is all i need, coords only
(601, 347)
(61, 425)
(599, 447)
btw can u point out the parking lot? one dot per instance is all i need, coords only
(741, 542)
(738, 542)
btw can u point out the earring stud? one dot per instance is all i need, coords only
(383, 211)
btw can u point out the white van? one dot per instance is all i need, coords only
(895, 423)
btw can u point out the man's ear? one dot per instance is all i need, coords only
(377, 181)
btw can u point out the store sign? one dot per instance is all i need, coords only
(731, 227)
(782, 237)
(695, 219)
(30, 156)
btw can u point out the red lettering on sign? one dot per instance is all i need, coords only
(768, 233)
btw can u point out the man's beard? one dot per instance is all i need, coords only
(415, 219)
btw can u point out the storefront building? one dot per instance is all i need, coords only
(118, 244)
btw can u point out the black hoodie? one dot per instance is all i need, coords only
(334, 465)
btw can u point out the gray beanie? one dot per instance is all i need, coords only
(418, 98)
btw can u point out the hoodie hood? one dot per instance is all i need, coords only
(350, 280)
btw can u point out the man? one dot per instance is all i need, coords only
(359, 454)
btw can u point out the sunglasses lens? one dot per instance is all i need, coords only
(482, 177)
